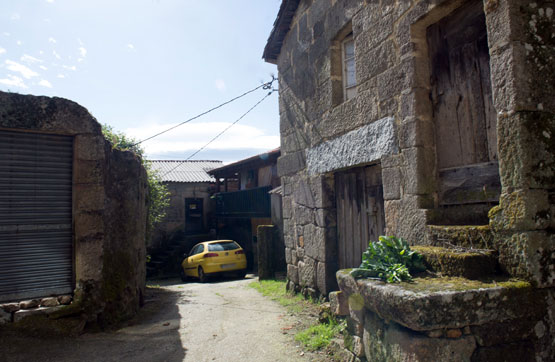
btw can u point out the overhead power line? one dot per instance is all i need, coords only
(267, 85)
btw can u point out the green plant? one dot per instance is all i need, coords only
(158, 198)
(389, 259)
(319, 335)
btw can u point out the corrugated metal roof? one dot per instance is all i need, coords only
(185, 171)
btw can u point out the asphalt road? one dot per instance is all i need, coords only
(223, 320)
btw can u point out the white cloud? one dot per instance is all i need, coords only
(2, 50)
(6, 33)
(13, 81)
(130, 47)
(15, 16)
(220, 85)
(52, 40)
(45, 83)
(69, 67)
(56, 54)
(43, 67)
(20, 68)
(29, 59)
(18, 42)
(50, 1)
(192, 136)
(83, 53)
(61, 76)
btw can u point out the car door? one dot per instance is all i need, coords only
(192, 262)
(194, 259)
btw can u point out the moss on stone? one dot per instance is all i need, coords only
(479, 237)
(451, 262)
(443, 284)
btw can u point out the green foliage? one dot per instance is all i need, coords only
(319, 335)
(275, 290)
(158, 198)
(389, 259)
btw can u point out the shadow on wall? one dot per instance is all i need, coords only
(153, 335)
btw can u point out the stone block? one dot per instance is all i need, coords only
(414, 132)
(24, 313)
(307, 272)
(302, 214)
(293, 273)
(49, 302)
(287, 208)
(90, 147)
(354, 328)
(383, 57)
(363, 145)
(529, 255)
(326, 217)
(358, 346)
(64, 299)
(419, 171)
(29, 304)
(291, 163)
(5, 317)
(391, 183)
(288, 256)
(522, 210)
(10, 307)
(527, 150)
(314, 242)
(289, 239)
(338, 303)
(468, 264)
(390, 342)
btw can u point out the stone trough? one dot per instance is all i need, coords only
(443, 318)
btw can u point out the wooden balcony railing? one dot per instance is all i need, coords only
(246, 203)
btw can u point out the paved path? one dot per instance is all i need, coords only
(218, 321)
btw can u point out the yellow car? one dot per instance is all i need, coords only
(214, 257)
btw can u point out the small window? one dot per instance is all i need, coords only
(348, 65)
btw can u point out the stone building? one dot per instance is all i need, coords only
(190, 188)
(430, 120)
(246, 197)
(72, 219)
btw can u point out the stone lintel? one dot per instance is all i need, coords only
(363, 145)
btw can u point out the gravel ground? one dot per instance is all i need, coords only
(223, 320)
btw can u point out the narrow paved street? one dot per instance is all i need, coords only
(224, 320)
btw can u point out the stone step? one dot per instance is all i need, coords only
(459, 262)
(470, 236)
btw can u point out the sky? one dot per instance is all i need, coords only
(142, 66)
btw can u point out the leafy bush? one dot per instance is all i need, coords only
(389, 259)
(158, 198)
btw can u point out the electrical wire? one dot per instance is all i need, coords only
(267, 85)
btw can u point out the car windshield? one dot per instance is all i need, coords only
(223, 246)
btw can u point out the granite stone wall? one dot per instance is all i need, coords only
(109, 217)
(390, 122)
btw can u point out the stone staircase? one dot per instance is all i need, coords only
(462, 308)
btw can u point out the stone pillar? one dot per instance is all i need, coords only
(522, 49)
(266, 240)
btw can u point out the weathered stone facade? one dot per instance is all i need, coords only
(109, 218)
(392, 122)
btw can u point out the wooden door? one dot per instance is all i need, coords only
(360, 212)
(466, 123)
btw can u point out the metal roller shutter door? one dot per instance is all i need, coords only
(36, 247)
